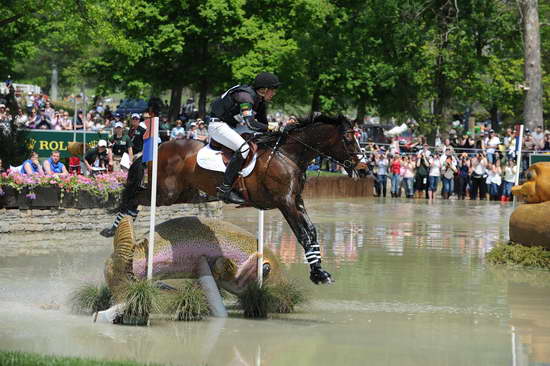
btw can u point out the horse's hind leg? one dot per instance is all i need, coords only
(304, 230)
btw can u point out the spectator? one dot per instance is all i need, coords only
(448, 172)
(120, 144)
(164, 128)
(56, 121)
(510, 171)
(538, 137)
(382, 163)
(52, 166)
(21, 119)
(546, 146)
(433, 177)
(494, 180)
(43, 121)
(31, 165)
(136, 135)
(32, 120)
(491, 145)
(202, 131)
(463, 176)
(192, 133)
(80, 120)
(422, 172)
(479, 176)
(49, 111)
(178, 132)
(97, 159)
(408, 164)
(395, 170)
(66, 122)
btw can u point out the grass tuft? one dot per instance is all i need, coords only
(141, 298)
(519, 255)
(91, 297)
(16, 358)
(280, 297)
(188, 304)
(286, 295)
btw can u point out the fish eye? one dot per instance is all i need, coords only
(266, 268)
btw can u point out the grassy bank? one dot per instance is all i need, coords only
(519, 255)
(14, 358)
(323, 173)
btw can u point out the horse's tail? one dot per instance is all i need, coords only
(133, 181)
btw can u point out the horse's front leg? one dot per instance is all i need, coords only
(304, 230)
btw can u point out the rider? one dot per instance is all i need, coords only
(248, 102)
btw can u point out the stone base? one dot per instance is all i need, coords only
(529, 224)
(94, 219)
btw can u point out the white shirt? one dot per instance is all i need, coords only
(492, 144)
(435, 167)
(510, 174)
(383, 166)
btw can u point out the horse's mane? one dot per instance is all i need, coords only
(303, 124)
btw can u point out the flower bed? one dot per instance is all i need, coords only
(44, 191)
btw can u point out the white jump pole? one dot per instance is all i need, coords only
(519, 145)
(153, 184)
(260, 246)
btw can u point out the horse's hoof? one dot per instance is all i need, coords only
(320, 276)
(108, 232)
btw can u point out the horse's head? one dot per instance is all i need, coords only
(342, 144)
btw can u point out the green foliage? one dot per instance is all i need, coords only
(280, 297)
(16, 358)
(188, 304)
(141, 298)
(519, 255)
(287, 295)
(90, 298)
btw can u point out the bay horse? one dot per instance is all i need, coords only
(277, 180)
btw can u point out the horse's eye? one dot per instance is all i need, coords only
(266, 269)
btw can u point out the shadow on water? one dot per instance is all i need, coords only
(412, 289)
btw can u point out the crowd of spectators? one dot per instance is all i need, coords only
(467, 167)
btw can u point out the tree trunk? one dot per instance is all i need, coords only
(203, 94)
(175, 103)
(361, 110)
(532, 106)
(495, 117)
(316, 101)
(55, 79)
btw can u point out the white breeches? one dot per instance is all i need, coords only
(225, 135)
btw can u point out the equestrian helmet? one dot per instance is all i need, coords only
(266, 80)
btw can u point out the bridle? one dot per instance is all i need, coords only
(347, 164)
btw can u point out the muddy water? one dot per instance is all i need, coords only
(412, 289)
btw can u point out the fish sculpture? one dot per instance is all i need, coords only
(537, 187)
(230, 251)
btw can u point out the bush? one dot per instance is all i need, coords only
(188, 304)
(520, 255)
(279, 297)
(90, 298)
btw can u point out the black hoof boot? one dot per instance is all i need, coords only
(227, 195)
(108, 232)
(319, 275)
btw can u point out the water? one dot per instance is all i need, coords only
(412, 288)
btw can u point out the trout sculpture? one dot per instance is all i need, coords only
(179, 244)
(537, 187)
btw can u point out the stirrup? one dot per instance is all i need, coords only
(229, 195)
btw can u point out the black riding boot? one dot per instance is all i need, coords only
(225, 191)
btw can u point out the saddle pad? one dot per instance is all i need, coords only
(210, 159)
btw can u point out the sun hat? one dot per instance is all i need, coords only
(102, 143)
(119, 125)
(135, 115)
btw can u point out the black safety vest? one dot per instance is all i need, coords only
(225, 107)
(120, 145)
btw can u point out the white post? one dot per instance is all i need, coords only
(260, 246)
(519, 145)
(153, 185)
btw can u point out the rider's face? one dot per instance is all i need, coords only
(269, 94)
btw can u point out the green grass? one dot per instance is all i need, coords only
(16, 358)
(519, 255)
(281, 297)
(90, 297)
(187, 303)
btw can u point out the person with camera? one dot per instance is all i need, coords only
(381, 163)
(408, 166)
(479, 176)
(97, 159)
(120, 144)
(422, 172)
(395, 170)
(433, 177)
(494, 180)
(448, 170)
(463, 175)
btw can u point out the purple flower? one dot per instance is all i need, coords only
(31, 196)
